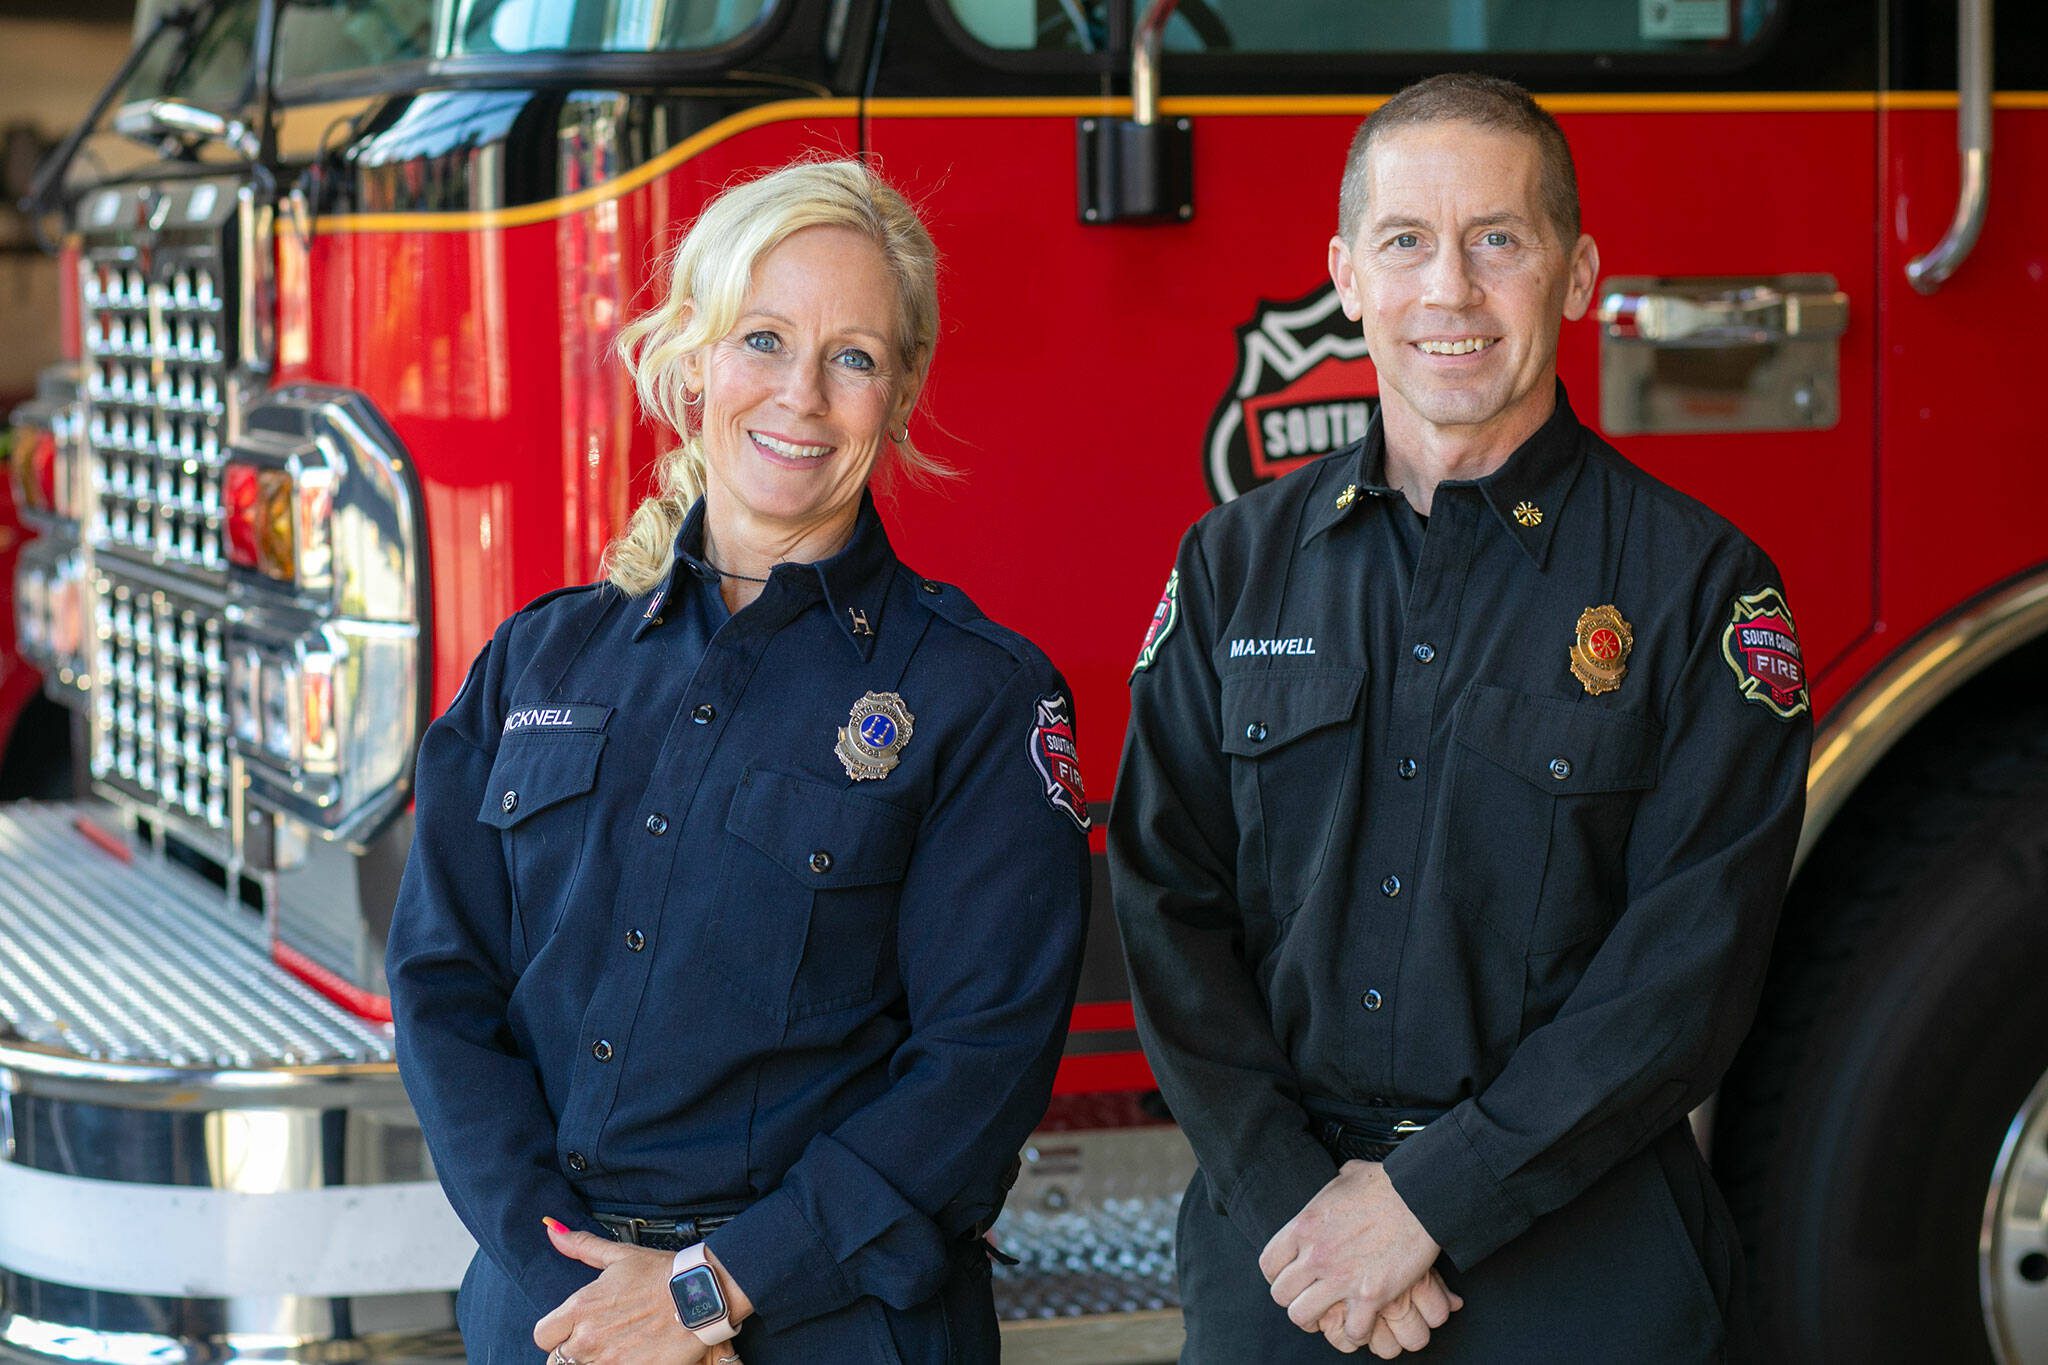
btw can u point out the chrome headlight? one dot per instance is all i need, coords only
(325, 688)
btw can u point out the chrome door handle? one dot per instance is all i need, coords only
(1750, 316)
(1973, 149)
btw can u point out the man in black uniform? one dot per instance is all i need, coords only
(1463, 779)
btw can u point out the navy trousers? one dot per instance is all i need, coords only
(956, 1327)
(1644, 1266)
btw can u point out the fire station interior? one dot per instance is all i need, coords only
(406, 247)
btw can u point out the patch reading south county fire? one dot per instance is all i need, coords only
(1762, 646)
(1304, 388)
(1058, 760)
(1165, 617)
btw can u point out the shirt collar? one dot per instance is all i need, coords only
(854, 583)
(1527, 493)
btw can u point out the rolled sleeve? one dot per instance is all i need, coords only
(989, 932)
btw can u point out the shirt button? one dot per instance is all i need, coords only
(576, 1163)
(1391, 886)
(1255, 732)
(657, 824)
(1424, 653)
(821, 861)
(1560, 768)
(1372, 1000)
(704, 714)
(1407, 767)
(601, 1050)
(510, 802)
(635, 940)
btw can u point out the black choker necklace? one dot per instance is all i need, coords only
(728, 573)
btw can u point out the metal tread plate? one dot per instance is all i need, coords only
(1112, 1257)
(146, 962)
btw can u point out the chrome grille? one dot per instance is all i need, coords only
(159, 706)
(156, 342)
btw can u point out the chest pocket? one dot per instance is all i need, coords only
(1294, 740)
(807, 896)
(537, 799)
(1543, 793)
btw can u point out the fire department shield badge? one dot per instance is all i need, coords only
(1762, 646)
(1058, 760)
(1304, 387)
(873, 736)
(1600, 653)
(1165, 617)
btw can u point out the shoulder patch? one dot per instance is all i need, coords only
(1058, 759)
(1762, 646)
(1165, 617)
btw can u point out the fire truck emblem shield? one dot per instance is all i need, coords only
(1304, 388)
(1165, 617)
(1600, 651)
(873, 736)
(1058, 760)
(1762, 646)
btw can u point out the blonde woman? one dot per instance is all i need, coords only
(745, 905)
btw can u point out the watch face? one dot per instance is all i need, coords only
(697, 1298)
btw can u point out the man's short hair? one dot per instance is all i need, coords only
(1465, 97)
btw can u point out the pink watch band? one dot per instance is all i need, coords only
(711, 1333)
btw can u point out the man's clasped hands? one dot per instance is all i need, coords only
(1358, 1267)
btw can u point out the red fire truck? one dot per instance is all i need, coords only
(341, 281)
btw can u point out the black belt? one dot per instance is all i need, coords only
(1369, 1136)
(662, 1234)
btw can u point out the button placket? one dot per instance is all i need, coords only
(674, 779)
(1423, 652)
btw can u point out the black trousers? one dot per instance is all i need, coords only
(955, 1327)
(1644, 1266)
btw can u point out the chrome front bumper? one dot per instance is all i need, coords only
(201, 1159)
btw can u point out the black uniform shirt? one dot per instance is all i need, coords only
(656, 950)
(1375, 843)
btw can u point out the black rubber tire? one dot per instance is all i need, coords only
(1904, 1022)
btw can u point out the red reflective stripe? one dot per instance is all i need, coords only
(108, 841)
(350, 997)
(1103, 1016)
(1103, 1071)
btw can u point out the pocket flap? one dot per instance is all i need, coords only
(820, 833)
(535, 771)
(1264, 710)
(1563, 748)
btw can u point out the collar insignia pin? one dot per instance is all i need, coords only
(1600, 653)
(1347, 497)
(860, 621)
(874, 736)
(1528, 514)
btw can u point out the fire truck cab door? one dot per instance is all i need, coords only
(1108, 383)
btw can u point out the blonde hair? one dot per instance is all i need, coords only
(710, 271)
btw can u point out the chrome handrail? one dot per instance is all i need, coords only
(1145, 62)
(1973, 146)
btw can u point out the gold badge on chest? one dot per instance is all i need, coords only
(1600, 653)
(874, 736)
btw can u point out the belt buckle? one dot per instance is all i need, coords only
(636, 1230)
(1407, 1128)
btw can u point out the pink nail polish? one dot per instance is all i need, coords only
(554, 1226)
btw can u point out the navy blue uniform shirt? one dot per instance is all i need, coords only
(656, 949)
(1488, 816)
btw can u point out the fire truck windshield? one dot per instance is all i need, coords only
(210, 63)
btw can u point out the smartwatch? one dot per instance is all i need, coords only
(700, 1306)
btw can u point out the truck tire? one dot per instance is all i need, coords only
(1903, 1030)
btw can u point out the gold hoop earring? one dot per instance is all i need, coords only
(901, 437)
